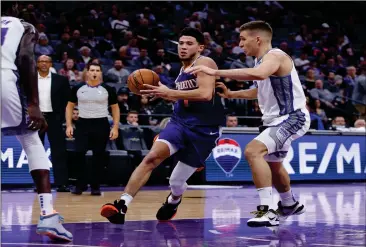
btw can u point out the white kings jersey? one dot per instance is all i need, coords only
(279, 96)
(12, 31)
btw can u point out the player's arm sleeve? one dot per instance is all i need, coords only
(27, 65)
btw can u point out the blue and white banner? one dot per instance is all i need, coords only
(14, 162)
(312, 157)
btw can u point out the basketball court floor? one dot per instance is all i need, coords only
(211, 216)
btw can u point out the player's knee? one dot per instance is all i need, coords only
(37, 156)
(152, 160)
(253, 151)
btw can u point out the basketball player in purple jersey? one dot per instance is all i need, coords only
(22, 117)
(191, 133)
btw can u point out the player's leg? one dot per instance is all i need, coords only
(169, 142)
(281, 181)
(262, 178)
(191, 157)
(178, 185)
(115, 212)
(39, 166)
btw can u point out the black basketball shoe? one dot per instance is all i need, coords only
(115, 212)
(167, 211)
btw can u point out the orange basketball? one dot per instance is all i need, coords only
(138, 78)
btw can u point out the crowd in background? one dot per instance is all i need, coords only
(328, 49)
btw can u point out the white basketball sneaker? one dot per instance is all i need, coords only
(264, 217)
(51, 226)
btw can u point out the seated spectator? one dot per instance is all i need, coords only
(302, 63)
(121, 23)
(65, 47)
(118, 71)
(359, 92)
(350, 81)
(132, 49)
(218, 56)
(70, 71)
(360, 126)
(122, 98)
(310, 78)
(316, 121)
(91, 41)
(43, 48)
(85, 55)
(164, 79)
(339, 123)
(333, 83)
(320, 111)
(242, 62)
(106, 44)
(322, 94)
(314, 67)
(123, 56)
(161, 59)
(76, 41)
(143, 61)
(133, 118)
(145, 110)
(231, 121)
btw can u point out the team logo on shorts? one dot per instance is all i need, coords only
(227, 155)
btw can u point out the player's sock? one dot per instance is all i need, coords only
(172, 201)
(127, 198)
(287, 198)
(45, 202)
(265, 196)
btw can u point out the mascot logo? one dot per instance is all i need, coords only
(227, 155)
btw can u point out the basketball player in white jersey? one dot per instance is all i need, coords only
(22, 117)
(285, 118)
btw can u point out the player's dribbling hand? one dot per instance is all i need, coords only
(224, 92)
(201, 68)
(37, 121)
(69, 131)
(160, 91)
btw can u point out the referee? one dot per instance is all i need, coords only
(92, 129)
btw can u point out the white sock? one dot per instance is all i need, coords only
(265, 196)
(127, 198)
(172, 201)
(45, 202)
(287, 198)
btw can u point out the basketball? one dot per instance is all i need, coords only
(138, 78)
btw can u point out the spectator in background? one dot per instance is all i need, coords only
(76, 42)
(164, 79)
(360, 126)
(75, 116)
(231, 121)
(121, 23)
(43, 48)
(302, 63)
(322, 94)
(143, 61)
(218, 56)
(242, 62)
(65, 47)
(349, 81)
(314, 67)
(145, 110)
(132, 49)
(359, 92)
(339, 123)
(70, 71)
(161, 59)
(106, 44)
(310, 78)
(122, 98)
(85, 55)
(118, 71)
(133, 118)
(334, 83)
(91, 41)
(320, 112)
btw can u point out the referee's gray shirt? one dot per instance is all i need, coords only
(93, 101)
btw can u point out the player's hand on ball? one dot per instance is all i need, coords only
(37, 121)
(222, 90)
(160, 91)
(201, 68)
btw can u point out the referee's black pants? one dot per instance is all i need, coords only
(91, 134)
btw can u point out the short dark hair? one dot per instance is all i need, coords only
(132, 112)
(193, 32)
(93, 64)
(257, 25)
